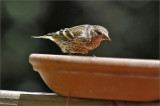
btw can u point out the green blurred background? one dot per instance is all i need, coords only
(133, 27)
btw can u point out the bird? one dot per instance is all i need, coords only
(78, 39)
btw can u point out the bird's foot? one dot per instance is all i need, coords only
(89, 54)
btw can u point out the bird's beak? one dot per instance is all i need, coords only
(106, 37)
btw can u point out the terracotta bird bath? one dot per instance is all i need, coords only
(99, 78)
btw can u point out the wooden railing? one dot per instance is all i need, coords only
(18, 98)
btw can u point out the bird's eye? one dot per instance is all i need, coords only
(98, 32)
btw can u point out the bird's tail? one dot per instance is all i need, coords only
(44, 37)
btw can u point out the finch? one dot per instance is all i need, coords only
(78, 39)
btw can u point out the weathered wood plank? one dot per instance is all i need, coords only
(17, 98)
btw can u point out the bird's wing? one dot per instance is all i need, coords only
(81, 33)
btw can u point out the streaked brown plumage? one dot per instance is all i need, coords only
(78, 39)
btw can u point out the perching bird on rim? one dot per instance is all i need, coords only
(78, 39)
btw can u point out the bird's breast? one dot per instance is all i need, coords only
(84, 47)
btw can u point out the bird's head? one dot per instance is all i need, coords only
(101, 32)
